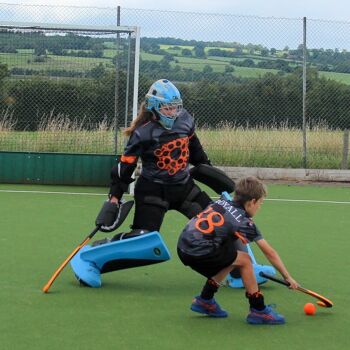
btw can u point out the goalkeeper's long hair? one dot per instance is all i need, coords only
(143, 117)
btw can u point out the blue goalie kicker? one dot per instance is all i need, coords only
(91, 262)
(236, 282)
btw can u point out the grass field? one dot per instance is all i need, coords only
(340, 77)
(268, 147)
(148, 307)
(26, 60)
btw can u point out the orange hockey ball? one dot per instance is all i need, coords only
(309, 309)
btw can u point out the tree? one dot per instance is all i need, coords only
(264, 52)
(248, 62)
(168, 57)
(4, 72)
(186, 52)
(97, 50)
(207, 69)
(237, 52)
(98, 71)
(40, 51)
(199, 50)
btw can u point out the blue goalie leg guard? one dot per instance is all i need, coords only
(90, 262)
(86, 272)
(234, 282)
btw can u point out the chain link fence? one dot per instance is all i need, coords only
(258, 97)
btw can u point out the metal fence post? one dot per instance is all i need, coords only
(127, 84)
(345, 158)
(304, 95)
(116, 88)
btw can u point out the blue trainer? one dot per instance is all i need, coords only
(207, 307)
(266, 316)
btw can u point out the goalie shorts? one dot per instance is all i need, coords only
(209, 266)
(153, 200)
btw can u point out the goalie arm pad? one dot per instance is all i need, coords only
(121, 174)
(197, 154)
(121, 177)
(112, 215)
(213, 177)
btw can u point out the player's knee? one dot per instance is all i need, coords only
(243, 260)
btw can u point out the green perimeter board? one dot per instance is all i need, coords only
(55, 168)
(147, 308)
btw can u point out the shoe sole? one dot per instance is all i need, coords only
(258, 322)
(203, 312)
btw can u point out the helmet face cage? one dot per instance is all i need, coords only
(164, 100)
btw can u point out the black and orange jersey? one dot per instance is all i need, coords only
(219, 224)
(165, 154)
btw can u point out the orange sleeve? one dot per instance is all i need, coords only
(128, 159)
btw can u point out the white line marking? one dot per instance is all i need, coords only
(302, 200)
(47, 192)
(306, 201)
(64, 193)
(105, 194)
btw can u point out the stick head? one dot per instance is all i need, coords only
(321, 303)
(45, 289)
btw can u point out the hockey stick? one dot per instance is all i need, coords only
(322, 301)
(69, 258)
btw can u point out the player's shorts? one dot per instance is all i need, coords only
(209, 266)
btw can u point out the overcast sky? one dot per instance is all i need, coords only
(320, 9)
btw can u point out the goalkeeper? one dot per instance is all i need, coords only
(163, 137)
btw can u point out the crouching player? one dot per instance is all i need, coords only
(207, 245)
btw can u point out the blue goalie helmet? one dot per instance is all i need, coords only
(164, 100)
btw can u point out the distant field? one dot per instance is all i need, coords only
(110, 45)
(109, 53)
(166, 47)
(198, 64)
(246, 72)
(25, 59)
(189, 47)
(151, 57)
(340, 77)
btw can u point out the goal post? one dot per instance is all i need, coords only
(81, 60)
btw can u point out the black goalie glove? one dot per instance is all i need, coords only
(112, 215)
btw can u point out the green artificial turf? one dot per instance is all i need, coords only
(148, 307)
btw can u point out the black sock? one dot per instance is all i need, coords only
(209, 289)
(256, 300)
